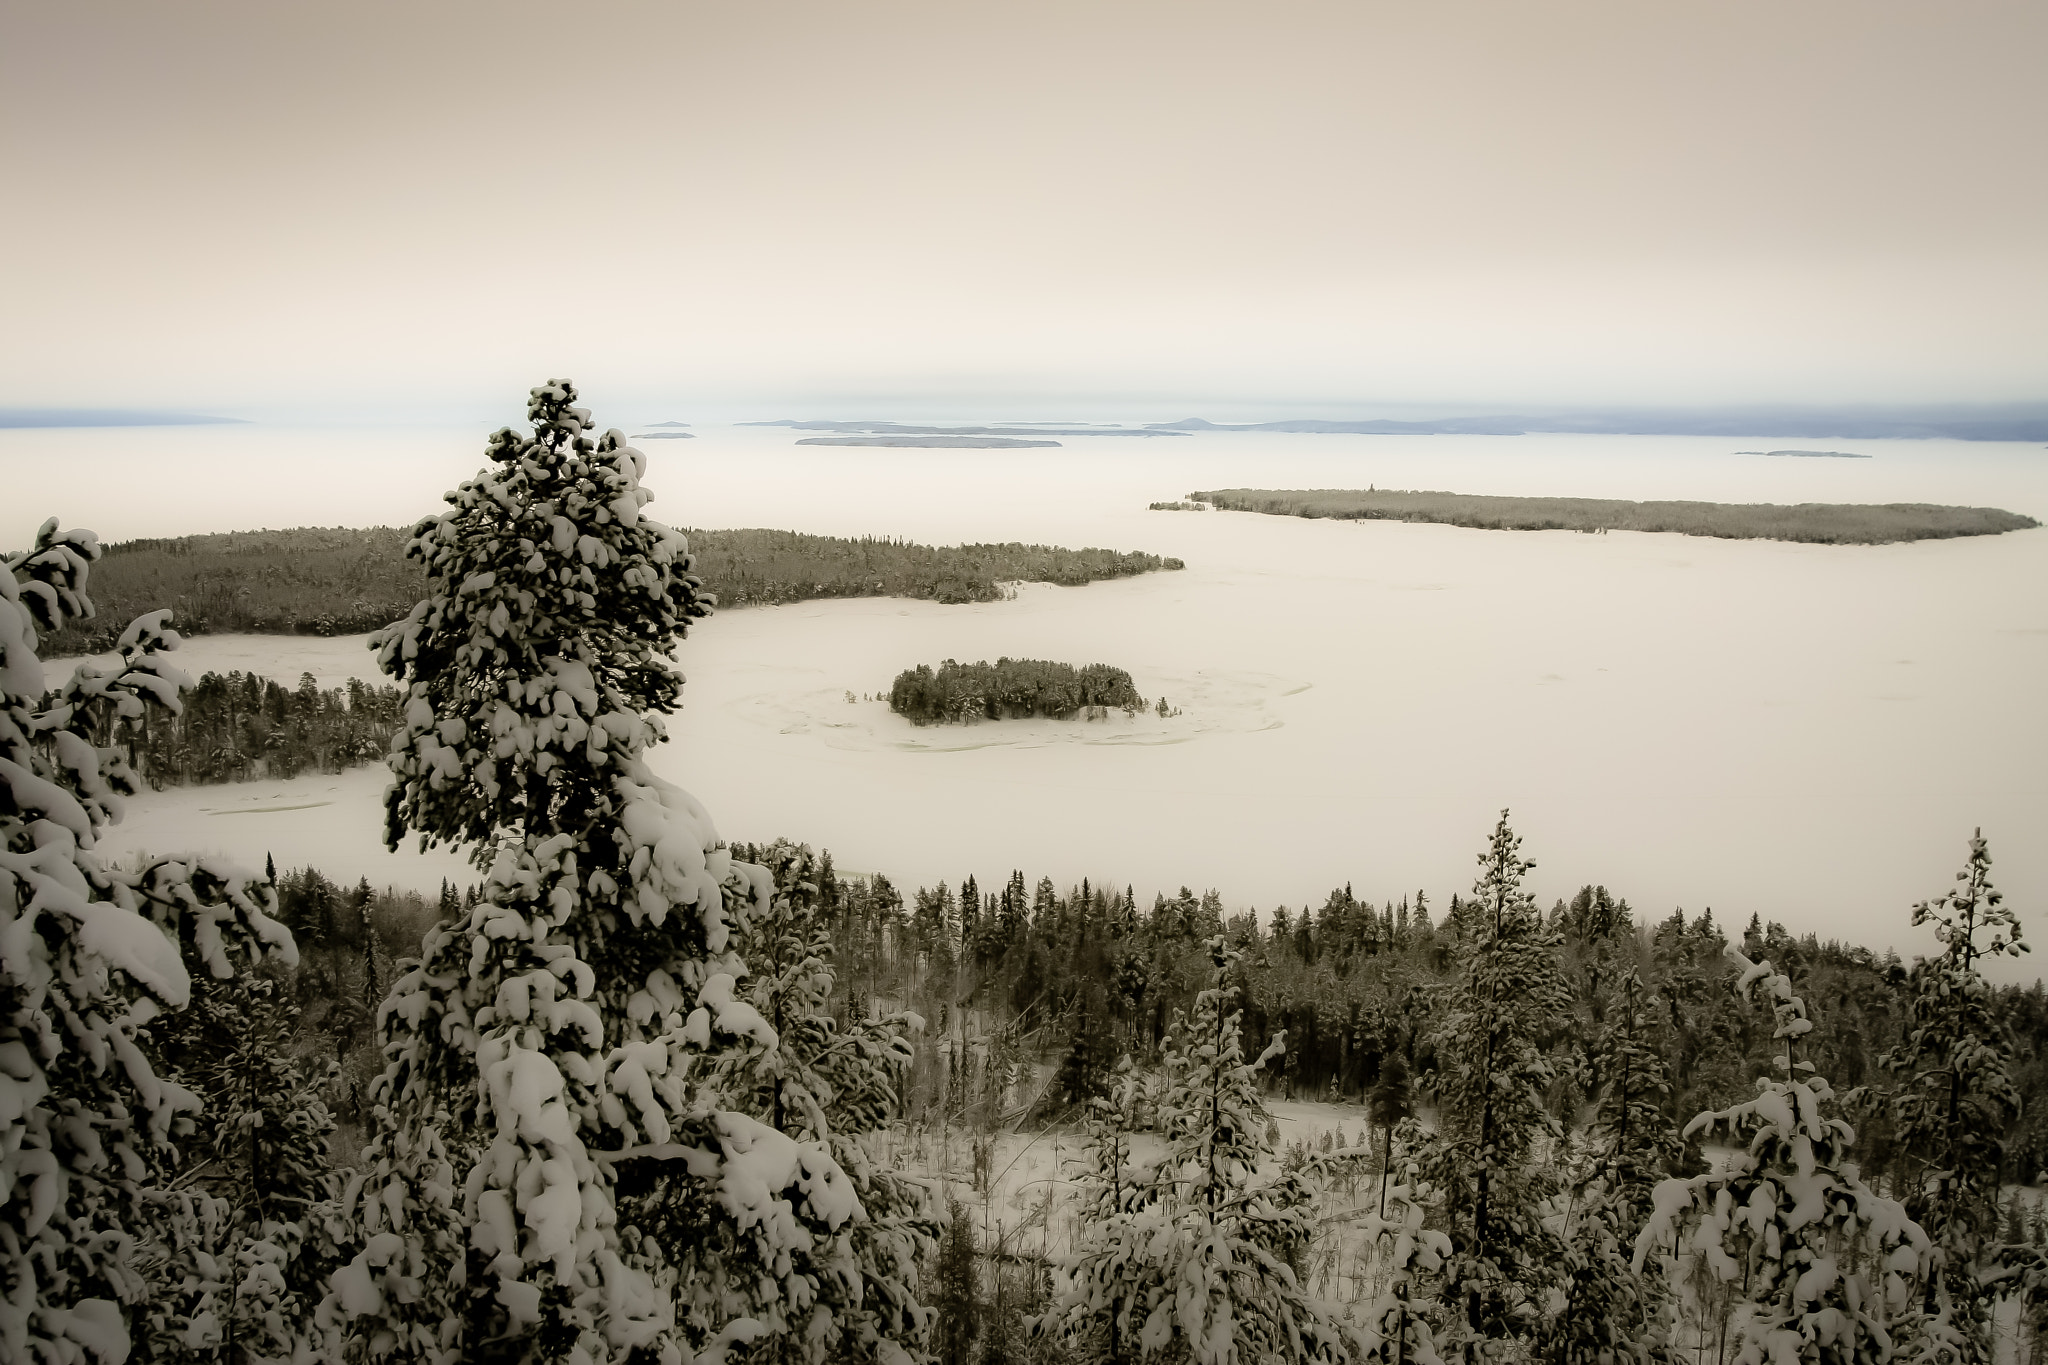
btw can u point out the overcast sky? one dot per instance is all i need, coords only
(330, 208)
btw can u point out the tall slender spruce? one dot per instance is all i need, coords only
(1956, 1098)
(1509, 997)
(563, 1027)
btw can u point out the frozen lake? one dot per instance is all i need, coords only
(1808, 732)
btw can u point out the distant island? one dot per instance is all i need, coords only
(1014, 688)
(668, 424)
(1990, 422)
(666, 436)
(1822, 523)
(109, 417)
(929, 442)
(1014, 429)
(335, 581)
(1468, 426)
(1809, 454)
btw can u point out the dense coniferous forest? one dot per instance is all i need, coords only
(1009, 688)
(319, 581)
(240, 725)
(642, 1095)
(1824, 523)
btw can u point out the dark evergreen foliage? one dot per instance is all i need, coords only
(239, 725)
(1009, 688)
(335, 581)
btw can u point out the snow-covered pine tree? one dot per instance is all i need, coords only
(836, 1086)
(1202, 1269)
(1785, 1247)
(1609, 1310)
(1509, 996)
(563, 1026)
(1087, 1311)
(1397, 1329)
(92, 1231)
(1956, 1099)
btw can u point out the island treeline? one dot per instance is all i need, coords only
(1813, 522)
(336, 581)
(242, 725)
(1009, 688)
(757, 567)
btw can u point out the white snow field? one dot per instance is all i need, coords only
(1810, 732)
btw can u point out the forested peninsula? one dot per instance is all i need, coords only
(1825, 523)
(335, 581)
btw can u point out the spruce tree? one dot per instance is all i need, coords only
(1398, 1330)
(957, 1300)
(545, 1062)
(1201, 1263)
(261, 1152)
(1510, 995)
(1785, 1247)
(1609, 1310)
(1956, 1099)
(835, 1086)
(101, 1253)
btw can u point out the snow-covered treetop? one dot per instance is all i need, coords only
(1788, 1011)
(538, 661)
(1971, 908)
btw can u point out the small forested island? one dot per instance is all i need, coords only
(1010, 688)
(1809, 454)
(666, 436)
(1825, 523)
(316, 580)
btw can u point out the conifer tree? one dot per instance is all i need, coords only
(1785, 1246)
(1608, 1311)
(1084, 1072)
(1202, 1267)
(1957, 1098)
(1398, 1330)
(96, 1241)
(260, 1150)
(545, 1062)
(1393, 1099)
(957, 1301)
(1491, 1075)
(834, 1086)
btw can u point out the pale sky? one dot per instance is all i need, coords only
(342, 208)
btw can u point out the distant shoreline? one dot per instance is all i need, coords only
(929, 442)
(1810, 454)
(1819, 523)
